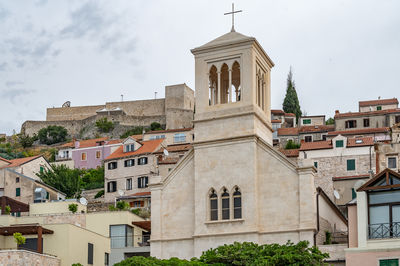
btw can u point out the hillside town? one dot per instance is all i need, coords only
(202, 168)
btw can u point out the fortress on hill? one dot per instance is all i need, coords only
(174, 111)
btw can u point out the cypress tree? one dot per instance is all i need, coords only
(291, 102)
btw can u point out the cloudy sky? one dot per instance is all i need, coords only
(90, 52)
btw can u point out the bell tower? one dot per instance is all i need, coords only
(233, 92)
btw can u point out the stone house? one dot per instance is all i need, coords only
(233, 185)
(341, 163)
(374, 222)
(88, 154)
(312, 120)
(378, 105)
(28, 166)
(304, 133)
(280, 119)
(171, 136)
(379, 134)
(129, 168)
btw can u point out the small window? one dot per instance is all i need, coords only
(129, 163)
(378, 108)
(397, 119)
(353, 193)
(225, 205)
(112, 165)
(351, 165)
(237, 204)
(306, 121)
(90, 254)
(17, 180)
(339, 144)
(41, 169)
(324, 137)
(316, 164)
(106, 259)
(308, 138)
(143, 182)
(129, 184)
(142, 161)
(112, 186)
(98, 154)
(351, 124)
(18, 192)
(392, 162)
(213, 206)
(83, 156)
(366, 122)
(389, 262)
(129, 147)
(179, 137)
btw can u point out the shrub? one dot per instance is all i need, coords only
(99, 194)
(73, 207)
(103, 125)
(122, 205)
(26, 141)
(151, 261)
(7, 209)
(19, 239)
(52, 134)
(328, 238)
(330, 121)
(136, 211)
(76, 264)
(132, 131)
(291, 145)
(155, 126)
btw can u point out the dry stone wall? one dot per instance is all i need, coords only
(24, 257)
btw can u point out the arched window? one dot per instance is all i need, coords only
(225, 83)
(213, 85)
(236, 88)
(213, 206)
(237, 204)
(225, 204)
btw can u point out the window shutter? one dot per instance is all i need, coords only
(351, 165)
(139, 182)
(90, 253)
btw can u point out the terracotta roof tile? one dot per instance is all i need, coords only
(356, 114)
(317, 145)
(277, 112)
(360, 131)
(377, 102)
(176, 148)
(168, 161)
(357, 142)
(137, 137)
(289, 114)
(146, 225)
(148, 146)
(290, 153)
(276, 121)
(289, 131)
(338, 178)
(21, 161)
(316, 128)
(4, 160)
(86, 143)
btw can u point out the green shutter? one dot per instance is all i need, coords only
(18, 192)
(353, 193)
(339, 143)
(306, 121)
(389, 262)
(379, 108)
(351, 165)
(316, 164)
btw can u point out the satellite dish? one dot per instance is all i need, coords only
(67, 104)
(336, 194)
(120, 192)
(166, 153)
(83, 201)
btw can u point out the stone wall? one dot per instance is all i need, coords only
(24, 257)
(72, 113)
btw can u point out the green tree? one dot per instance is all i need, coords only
(99, 194)
(25, 140)
(291, 145)
(92, 178)
(73, 207)
(62, 178)
(291, 102)
(52, 134)
(133, 131)
(330, 121)
(155, 126)
(19, 239)
(103, 125)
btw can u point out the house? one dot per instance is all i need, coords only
(312, 120)
(304, 133)
(100, 238)
(129, 168)
(378, 105)
(341, 162)
(233, 185)
(374, 235)
(28, 166)
(88, 154)
(171, 136)
(280, 119)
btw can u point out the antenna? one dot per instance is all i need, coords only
(166, 153)
(155, 95)
(336, 194)
(83, 201)
(121, 192)
(122, 97)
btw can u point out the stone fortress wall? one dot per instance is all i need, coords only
(175, 111)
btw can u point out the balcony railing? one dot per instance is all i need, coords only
(384, 230)
(130, 241)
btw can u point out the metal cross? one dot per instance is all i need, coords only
(233, 16)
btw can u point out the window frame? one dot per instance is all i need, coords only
(308, 136)
(388, 162)
(99, 154)
(347, 164)
(109, 190)
(366, 122)
(237, 194)
(128, 183)
(225, 205)
(142, 184)
(337, 143)
(309, 121)
(143, 158)
(18, 192)
(213, 201)
(129, 160)
(179, 137)
(110, 165)
(83, 154)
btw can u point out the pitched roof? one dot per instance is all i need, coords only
(148, 146)
(356, 114)
(288, 131)
(169, 130)
(289, 114)
(136, 195)
(86, 143)
(316, 128)
(137, 137)
(276, 121)
(290, 153)
(378, 102)
(277, 112)
(176, 148)
(168, 161)
(20, 161)
(358, 142)
(360, 131)
(4, 160)
(327, 144)
(227, 38)
(146, 225)
(350, 177)
(385, 175)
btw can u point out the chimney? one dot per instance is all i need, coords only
(337, 112)
(76, 142)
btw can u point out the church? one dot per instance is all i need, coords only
(233, 186)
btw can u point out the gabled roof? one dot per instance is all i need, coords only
(149, 146)
(5, 160)
(378, 102)
(146, 225)
(356, 114)
(288, 131)
(227, 38)
(360, 131)
(386, 179)
(21, 161)
(290, 153)
(327, 144)
(176, 148)
(316, 128)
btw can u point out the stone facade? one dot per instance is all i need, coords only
(25, 257)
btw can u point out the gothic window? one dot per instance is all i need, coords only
(213, 206)
(225, 204)
(261, 78)
(237, 204)
(224, 84)
(213, 86)
(236, 87)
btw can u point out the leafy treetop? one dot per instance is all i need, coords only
(52, 134)
(291, 102)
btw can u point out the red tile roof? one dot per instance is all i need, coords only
(148, 146)
(289, 114)
(21, 161)
(378, 102)
(86, 143)
(4, 160)
(356, 114)
(339, 178)
(146, 225)
(317, 128)
(360, 131)
(327, 144)
(138, 194)
(169, 130)
(276, 121)
(357, 142)
(176, 148)
(277, 112)
(168, 161)
(289, 131)
(290, 153)
(137, 137)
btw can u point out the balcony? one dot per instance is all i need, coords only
(384, 230)
(135, 241)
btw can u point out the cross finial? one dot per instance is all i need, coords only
(233, 16)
